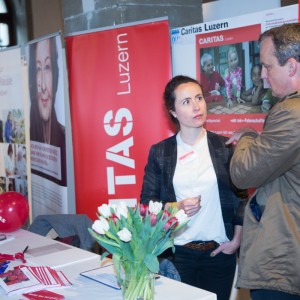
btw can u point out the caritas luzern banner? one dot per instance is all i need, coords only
(117, 77)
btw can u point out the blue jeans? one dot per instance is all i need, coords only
(272, 295)
(197, 268)
(167, 269)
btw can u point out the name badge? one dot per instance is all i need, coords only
(187, 158)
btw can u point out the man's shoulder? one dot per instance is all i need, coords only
(294, 96)
(287, 111)
(291, 102)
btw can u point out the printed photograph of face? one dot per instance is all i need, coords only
(229, 73)
(44, 80)
(47, 105)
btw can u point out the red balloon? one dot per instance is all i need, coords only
(14, 211)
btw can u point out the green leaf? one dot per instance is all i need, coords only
(109, 245)
(164, 246)
(152, 263)
(105, 254)
(112, 236)
(117, 265)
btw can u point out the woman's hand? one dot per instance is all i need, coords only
(227, 248)
(190, 205)
(231, 246)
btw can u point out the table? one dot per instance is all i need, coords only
(73, 260)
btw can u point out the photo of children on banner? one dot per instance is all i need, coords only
(43, 86)
(211, 80)
(258, 94)
(255, 93)
(233, 78)
(237, 65)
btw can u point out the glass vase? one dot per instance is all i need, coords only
(137, 282)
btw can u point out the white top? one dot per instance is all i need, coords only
(194, 176)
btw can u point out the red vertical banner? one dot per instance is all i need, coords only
(116, 77)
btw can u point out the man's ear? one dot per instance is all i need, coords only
(292, 65)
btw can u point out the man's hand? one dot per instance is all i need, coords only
(237, 135)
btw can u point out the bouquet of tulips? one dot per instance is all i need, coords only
(136, 235)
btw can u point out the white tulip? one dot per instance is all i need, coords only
(101, 225)
(181, 216)
(124, 235)
(121, 210)
(155, 207)
(114, 207)
(104, 210)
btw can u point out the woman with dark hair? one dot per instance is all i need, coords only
(43, 83)
(190, 170)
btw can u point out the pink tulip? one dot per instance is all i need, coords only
(153, 219)
(143, 209)
(166, 214)
(172, 223)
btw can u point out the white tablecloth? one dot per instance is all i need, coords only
(74, 260)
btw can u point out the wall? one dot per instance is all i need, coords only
(69, 16)
(82, 15)
(36, 18)
(222, 9)
(43, 17)
(20, 21)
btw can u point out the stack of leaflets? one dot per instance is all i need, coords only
(24, 279)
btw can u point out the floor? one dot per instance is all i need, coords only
(243, 108)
